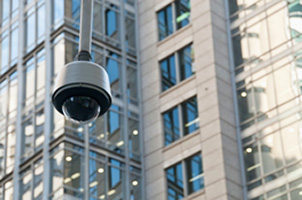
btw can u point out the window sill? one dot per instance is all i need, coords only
(181, 140)
(195, 194)
(177, 32)
(178, 85)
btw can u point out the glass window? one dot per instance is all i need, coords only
(130, 32)
(27, 138)
(115, 138)
(135, 187)
(113, 70)
(165, 22)
(134, 139)
(14, 45)
(74, 172)
(174, 179)
(190, 116)
(252, 161)
(194, 169)
(171, 125)
(97, 179)
(4, 51)
(41, 23)
(5, 11)
(168, 72)
(58, 13)
(25, 185)
(116, 180)
(182, 13)
(38, 180)
(185, 62)
(30, 29)
(8, 190)
(112, 22)
(132, 85)
(57, 171)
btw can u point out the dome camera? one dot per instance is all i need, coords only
(82, 91)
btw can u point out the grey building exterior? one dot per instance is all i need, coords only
(206, 101)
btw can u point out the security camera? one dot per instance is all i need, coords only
(82, 91)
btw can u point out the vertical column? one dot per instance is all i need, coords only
(19, 103)
(237, 121)
(139, 95)
(125, 103)
(47, 101)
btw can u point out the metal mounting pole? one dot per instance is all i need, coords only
(85, 30)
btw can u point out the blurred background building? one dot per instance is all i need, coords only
(206, 101)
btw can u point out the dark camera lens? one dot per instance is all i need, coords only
(81, 109)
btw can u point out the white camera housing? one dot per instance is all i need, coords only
(82, 91)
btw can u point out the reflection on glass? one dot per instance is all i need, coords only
(4, 53)
(182, 13)
(130, 32)
(190, 115)
(112, 22)
(271, 152)
(41, 23)
(175, 182)
(9, 190)
(25, 185)
(27, 138)
(194, 169)
(58, 12)
(135, 187)
(38, 181)
(168, 73)
(165, 22)
(185, 62)
(30, 30)
(252, 162)
(113, 70)
(97, 181)
(74, 171)
(14, 45)
(2, 153)
(57, 171)
(134, 139)
(116, 180)
(39, 130)
(29, 84)
(114, 132)
(132, 85)
(171, 125)
(11, 144)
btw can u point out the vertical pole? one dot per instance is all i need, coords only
(47, 102)
(125, 99)
(85, 30)
(16, 176)
(86, 165)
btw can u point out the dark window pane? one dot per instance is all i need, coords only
(182, 13)
(175, 182)
(112, 66)
(194, 169)
(171, 126)
(165, 22)
(168, 72)
(185, 62)
(190, 116)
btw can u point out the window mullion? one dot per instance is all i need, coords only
(184, 170)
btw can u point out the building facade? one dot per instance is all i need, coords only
(221, 93)
(206, 101)
(44, 156)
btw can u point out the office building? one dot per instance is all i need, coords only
(206, 101)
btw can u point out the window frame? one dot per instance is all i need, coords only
(183, 163)
(173, 18)
(180, 120)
